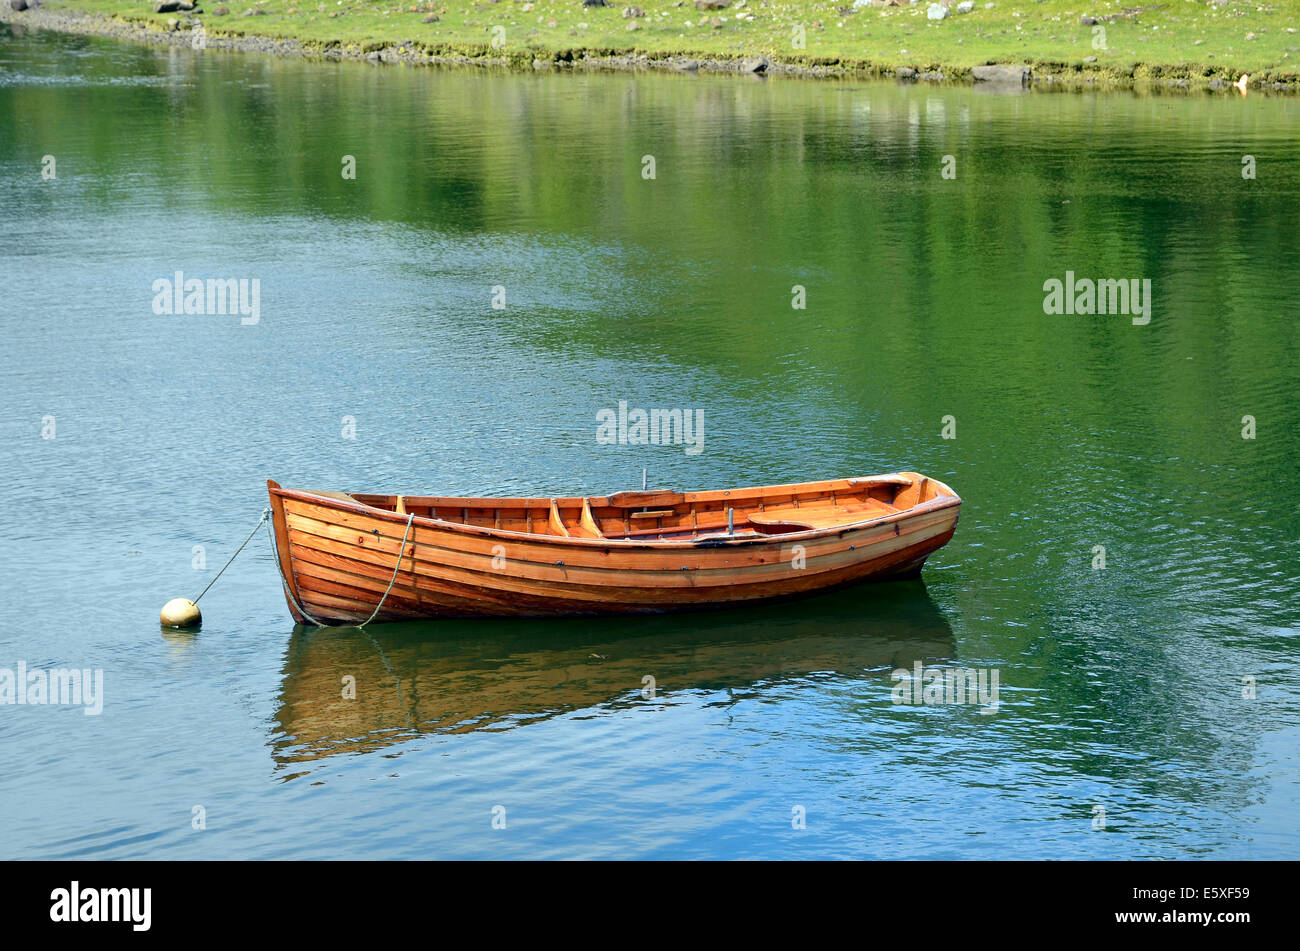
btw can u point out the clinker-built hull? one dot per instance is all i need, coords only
(342, 555)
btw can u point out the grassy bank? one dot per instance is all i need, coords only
(1175, 39)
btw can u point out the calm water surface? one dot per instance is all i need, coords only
(1120, 688)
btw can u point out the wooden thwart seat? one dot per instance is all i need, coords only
(768, 524)
(822, 516)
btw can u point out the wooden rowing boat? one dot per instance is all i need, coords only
(344, 555)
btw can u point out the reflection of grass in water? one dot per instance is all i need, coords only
(494, 675)
(1198, 35)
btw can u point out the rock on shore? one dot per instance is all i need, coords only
(1001, 74)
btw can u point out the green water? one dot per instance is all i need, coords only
(1120, 687)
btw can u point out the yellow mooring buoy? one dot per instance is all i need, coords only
(181, 613)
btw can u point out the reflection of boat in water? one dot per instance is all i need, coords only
(458, 676)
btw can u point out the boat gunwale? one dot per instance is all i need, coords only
(947, 499)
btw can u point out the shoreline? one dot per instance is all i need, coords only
(178, 30)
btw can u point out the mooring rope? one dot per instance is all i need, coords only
(265, 514)
(275, 557)
(401, 550)
(288, 590)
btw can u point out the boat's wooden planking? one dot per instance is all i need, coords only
(475, 556)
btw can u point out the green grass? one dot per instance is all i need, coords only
(1170, 39)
